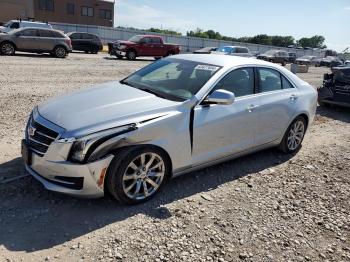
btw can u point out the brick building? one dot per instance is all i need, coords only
(87, 12)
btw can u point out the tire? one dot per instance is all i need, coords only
(7, 48)
(294, 136)
(130, 181)
(131, 55)
(284, 63)
(60, 52)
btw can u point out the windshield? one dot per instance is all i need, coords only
(8, 24)
(172, 79)
(225, 49)
(136, 38)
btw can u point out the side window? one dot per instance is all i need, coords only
(57, 34)
(15, 25)
(156, 40)
(29, 32)
(269, 80)
(146, 40)
(240, 82)
(45, 33)
(87, 36)
(286, 84)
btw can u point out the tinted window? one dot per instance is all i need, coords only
(269, 80)
(286, 84)
(242, 50)
(46, 33)
(146, 40)
(70, 9)
(29, 32)
(240, 82)
(15, 25)
(156, 40)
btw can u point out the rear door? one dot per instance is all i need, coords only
(158, 47)
(46, 40)
(28, 40)
(278, 98)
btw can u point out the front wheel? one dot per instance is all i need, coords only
(60, 52)
(131, 55)
(294, 136)
(136, 174)
(7, 49)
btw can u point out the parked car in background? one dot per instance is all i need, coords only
(234, 50)
(347, 63)
(142, 45)
(16, 24)
(35, 40)
(206, 50)
(292, 57)
(275, 56)
(331, 61)
(174, 116)
(85, 42)
(336, 87)
(308, 60)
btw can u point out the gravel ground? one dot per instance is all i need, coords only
(263, 207)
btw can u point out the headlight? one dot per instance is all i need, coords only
(122, 47)
(83, 147)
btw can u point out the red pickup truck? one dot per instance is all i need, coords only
(142, 45)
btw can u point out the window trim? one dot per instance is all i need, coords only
(87, 8)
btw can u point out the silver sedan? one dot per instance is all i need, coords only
(172, 117)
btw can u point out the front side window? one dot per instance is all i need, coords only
(30, 32)
(269, 80)
(87, 11)
(156, 40)
(240, 82)
(14, 25)
(47, 5)
(173, 79)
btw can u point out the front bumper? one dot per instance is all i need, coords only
(81, 180)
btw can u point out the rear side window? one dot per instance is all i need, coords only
(240, 82)
(46, 33)
(156, 40)
(269, 80)
(242, 50)
(286, 84)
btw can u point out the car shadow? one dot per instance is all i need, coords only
(334, 112)
(44, 55)
(32, 218)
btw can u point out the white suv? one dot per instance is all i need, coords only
(16, 24)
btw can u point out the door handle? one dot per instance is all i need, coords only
(293, 97)
(251, 108)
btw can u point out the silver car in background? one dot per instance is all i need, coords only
(35, 40)
(172, 117)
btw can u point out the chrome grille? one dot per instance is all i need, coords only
(39, 137)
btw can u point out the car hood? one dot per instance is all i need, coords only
(102, 107)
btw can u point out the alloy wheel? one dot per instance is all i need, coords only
(60, 52)
(143, 176)
(7, 49)
(296, 135)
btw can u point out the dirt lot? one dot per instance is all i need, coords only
(263, 207)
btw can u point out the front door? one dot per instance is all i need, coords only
(28, 40)
(223, 130)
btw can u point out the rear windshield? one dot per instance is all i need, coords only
(226, 49)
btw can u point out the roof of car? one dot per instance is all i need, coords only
(29, 22)
(223, 60)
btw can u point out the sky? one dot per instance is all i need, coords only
(298, 18)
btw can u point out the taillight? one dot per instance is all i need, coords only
(68, 42)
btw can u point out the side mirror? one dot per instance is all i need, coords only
(220, 97)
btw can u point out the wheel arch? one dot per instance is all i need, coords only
(60, 45)
(11, 42)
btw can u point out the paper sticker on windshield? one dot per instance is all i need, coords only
(207, 68)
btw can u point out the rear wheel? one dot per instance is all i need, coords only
(7, 48)
(131, 55)
(294, 136)
(60, 52)
(136, 174)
